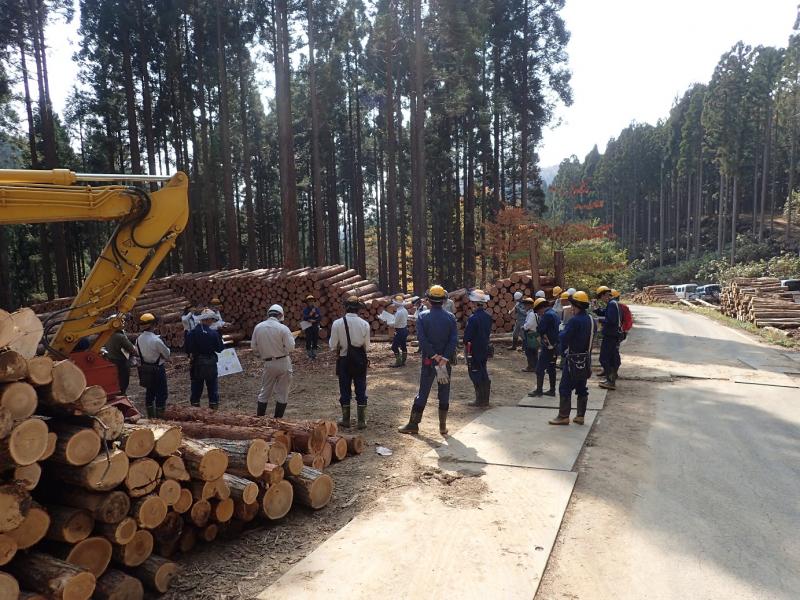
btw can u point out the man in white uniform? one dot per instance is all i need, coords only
(351, 372)
(272, 342)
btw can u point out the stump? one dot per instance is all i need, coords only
(116, 585)
(15, 502)
(110, 507)
(312, 488)
(277, 500)
(53, 577)
(156, 573)
(69, 524)
(32, 530)
(134, 552)
(118, 533)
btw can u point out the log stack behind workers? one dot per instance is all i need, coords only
(610, 359)
(575, 342)
(548, 336)
(438, 336)
(477, 344)
(312, 315)
(272, 342)
(351, 334)
(400, 339)
(202, 344)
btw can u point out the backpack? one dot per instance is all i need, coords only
(355, 361)
(627, 317)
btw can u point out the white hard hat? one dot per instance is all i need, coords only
(517, 295)
(276, 310)
(571, 291)
(540, 294)
(479, 296)
(208, 315)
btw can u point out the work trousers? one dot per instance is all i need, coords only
(478, 372)
(123, 374)
(347, 382)
(212, 384)
(156, 396)
(517, 332)
(532, 354)
(566, 387)
(276, 379)
(427, 375)
(312, 337)
(546, 362)
(610, 358)
(399, 340)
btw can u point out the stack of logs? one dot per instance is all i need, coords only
(762, 301)
(157, 298)
(91, 506)
(656, 293)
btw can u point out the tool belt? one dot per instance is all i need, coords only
(275, 358)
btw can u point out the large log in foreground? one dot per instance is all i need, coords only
(52, 577)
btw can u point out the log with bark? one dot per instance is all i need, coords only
(8, 548)
(40, 371)
(203, 461)
(246, 458)
(134, 552)
(13, 366)
(76, 445)
(272, 474)
(222, 510)
(52, 577)
(276, 500)
(25, 444)
(118, 533)
(102, 474)
(92, 554)
(136, 441)
(169, 491)
(111, 507)
(15, 502)
(33, 529)
(338, 447)
(69, 524)
(149, 511)
(156, 573)
(200, 513)
(144, 475)
(68, 384)
(27, 476)
(116, 585)
(173, 467)
(293, 464)
(9, 587)
(184, 502)
(244, 511)
(19, 398)
(312, 487)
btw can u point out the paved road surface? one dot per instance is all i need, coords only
(689, 488)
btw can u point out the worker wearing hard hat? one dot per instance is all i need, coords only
(575, 342)
(273, 342)
(216, 307)
(202, 344)
(520, 312)
(557, 305)
(311, 318)
(548, 335)
(530, 339)
(478, 347)
(612, 337)
(351, 334)
(400, 325)
(153, 353)
(438, 335)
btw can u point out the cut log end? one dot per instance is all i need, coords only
(9, 587)
(69, 524)
(277, 500)
(32, 530)
(8, 548)
(15, 503)
(136, 551)
(149, 511)
(26, 444)
(92, 554)
(157, 573)
(137, 442)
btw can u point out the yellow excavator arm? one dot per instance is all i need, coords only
(149, 225)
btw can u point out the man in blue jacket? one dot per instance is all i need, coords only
(438, 335)
(548, 335)
(575, 340)
(476, 341)
(610, 318)
(202, 345)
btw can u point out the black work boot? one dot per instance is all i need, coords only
(442, 421)
(213, 406)
(487, 391)
(403, 358)
(150, 411)
(582, 402)
(345, 420)
(280, 408)
(609, 382)
(159, 412)
(552, 390)
(539, 385)
(477, 401)
(413, 422)
(261, 409)
(195, 403)
(361, 409)
(564, 408)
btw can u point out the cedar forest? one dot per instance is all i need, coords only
(399, 139)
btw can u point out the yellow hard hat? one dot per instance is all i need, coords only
(615, 293)
(527, 300)
(399, 298)
(581, 299)
(602, 290)
(564, 296)
(216, 301)
(310, 297)
(437, 293)
(556, 292)
(147, 318)
(539, 302)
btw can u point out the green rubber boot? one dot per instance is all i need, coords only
(413, 422)
(345, 421)
(362, 416)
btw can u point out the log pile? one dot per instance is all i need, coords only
(762, 301)
(91, 506)
(656, 294)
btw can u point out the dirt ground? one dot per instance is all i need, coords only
(243, 567)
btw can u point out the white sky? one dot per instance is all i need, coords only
(629, 59)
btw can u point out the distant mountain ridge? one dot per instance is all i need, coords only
(549, 173)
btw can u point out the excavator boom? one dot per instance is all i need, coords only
(149, 225)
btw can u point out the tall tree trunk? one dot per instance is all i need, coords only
(393, 270)
(401, 200)
(332, 205)
(469, 207)
(231, 223)
(734, 216)
(720, 214)
(319, 226)
(246, 162)
(130, 100)
(792, 169)
(699, 203)
(28, 102)
(288, 175)
(765, 173)
(523, 141)
(660, 220)
(419, 220)
(147, 95)
(360, 233)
